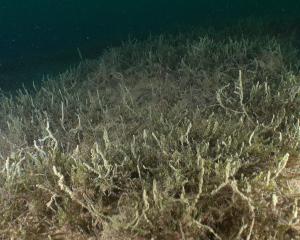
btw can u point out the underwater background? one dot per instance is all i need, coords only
(45, 37)
(143, 120)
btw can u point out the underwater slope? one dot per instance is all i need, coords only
(177, 137)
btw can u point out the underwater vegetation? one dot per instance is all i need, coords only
(187, 136)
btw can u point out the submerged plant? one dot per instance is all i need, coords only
(171, 138)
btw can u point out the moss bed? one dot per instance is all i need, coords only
(193, 136)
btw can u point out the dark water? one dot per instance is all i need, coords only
(42, 36)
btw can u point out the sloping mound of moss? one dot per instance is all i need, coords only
(187, 137)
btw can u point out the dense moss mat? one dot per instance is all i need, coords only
(177, 137)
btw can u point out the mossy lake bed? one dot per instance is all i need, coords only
(187, 136)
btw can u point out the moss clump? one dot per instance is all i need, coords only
(170, 138)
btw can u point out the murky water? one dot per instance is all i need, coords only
(43, 37)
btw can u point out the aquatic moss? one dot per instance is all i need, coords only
(170, 138)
